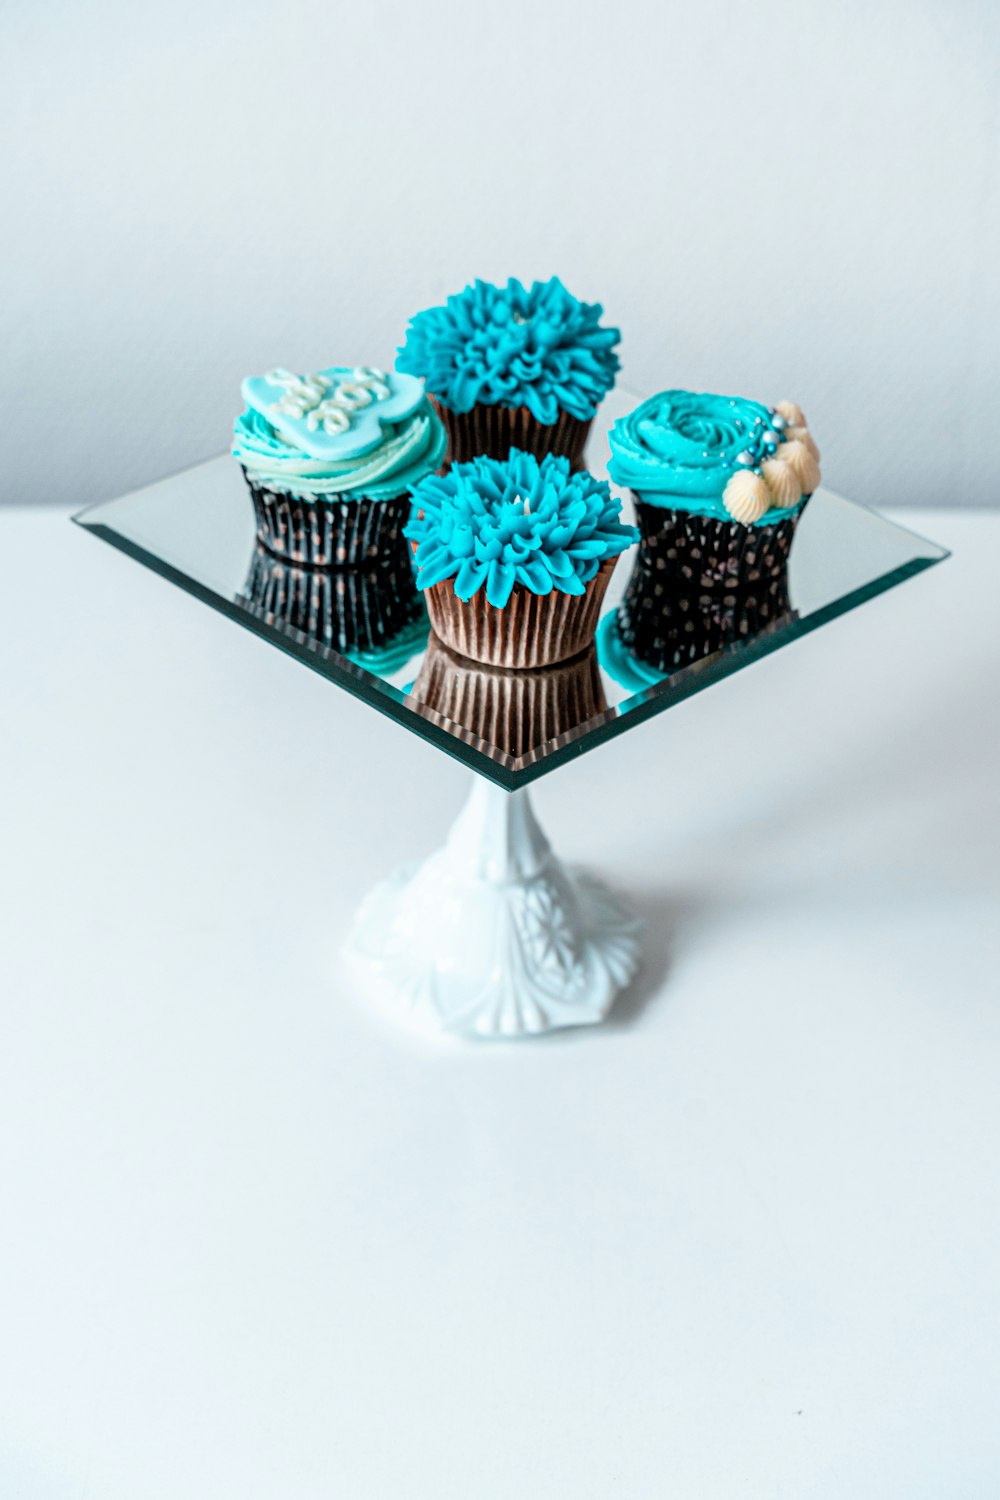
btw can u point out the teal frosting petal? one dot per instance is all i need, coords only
(403, 454)
(536, 346)
(490, 525)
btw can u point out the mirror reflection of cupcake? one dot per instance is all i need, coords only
(356, 611)
(329, 459)
(719, 485)
(516, 711)
(514, 557)
(513, 367)
(667, 629)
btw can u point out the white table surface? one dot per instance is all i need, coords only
(256, 1244)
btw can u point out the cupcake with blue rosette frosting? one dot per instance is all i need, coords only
(514, 557)
(513, 367)
(330, 458)
(719, 484)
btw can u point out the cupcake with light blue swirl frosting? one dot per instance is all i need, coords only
(330, 457)
(514, 557)
(719, 484)
(513, 367)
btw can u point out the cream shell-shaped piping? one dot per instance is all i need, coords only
(792, 413)
(746, 497)
(802, 435)
(805, 468)
(782, 481)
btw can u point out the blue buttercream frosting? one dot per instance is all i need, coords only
(491, 524)
(622, 664)
(679, 449)
(347, 432)
(536, 346)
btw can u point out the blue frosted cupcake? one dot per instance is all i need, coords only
(719, 484)
(514, 557)
(513, 367)
(329, 459)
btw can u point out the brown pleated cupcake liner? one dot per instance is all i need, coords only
(329, 532)
(495, 430)
(353, 609)
(532, 630)
(515, 711)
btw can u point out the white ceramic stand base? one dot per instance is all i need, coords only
(492, 936)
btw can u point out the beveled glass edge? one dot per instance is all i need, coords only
(507, 771)
(707, 671)
(321, 659)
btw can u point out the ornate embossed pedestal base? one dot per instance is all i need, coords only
(492, 936)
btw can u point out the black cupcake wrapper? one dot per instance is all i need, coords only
(671, 632)
(495, 430)
(332, 532)
(699, 584)
(353, 609)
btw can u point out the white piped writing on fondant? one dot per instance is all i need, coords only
(325, 403)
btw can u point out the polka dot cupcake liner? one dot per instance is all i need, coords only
(698, 585)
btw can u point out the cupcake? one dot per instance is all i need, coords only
(719, 484)
(515, 711)
(357, 611)
(514, 557)
(513, 367)
(329, 459)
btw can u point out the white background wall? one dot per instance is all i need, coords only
(770, 198)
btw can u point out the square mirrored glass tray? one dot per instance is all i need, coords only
(366, 629)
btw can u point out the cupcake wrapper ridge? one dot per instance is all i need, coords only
(332, 532)
(515, 711)
(532, 630)
(350, 610)
(495, 430)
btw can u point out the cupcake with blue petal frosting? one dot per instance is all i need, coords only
(330, 458)
(514, 557)
(513, 367)
(719, 484)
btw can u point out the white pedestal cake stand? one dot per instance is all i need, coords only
(492, 935)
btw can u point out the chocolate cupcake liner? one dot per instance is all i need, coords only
(350, 610)
(532, 630)
(331, 531)
(495, 430)
(516, 711)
